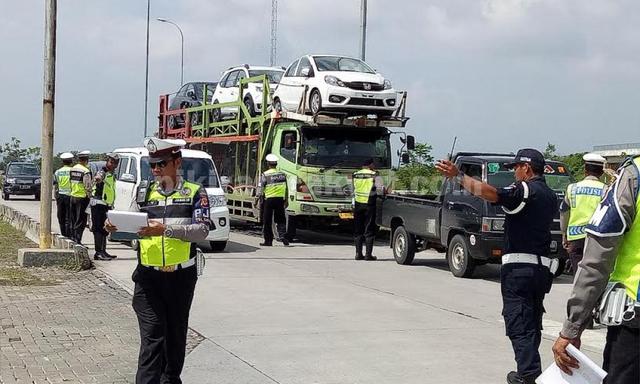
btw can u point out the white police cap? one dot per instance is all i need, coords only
(66, 156)
(84, 153)
(271, 158)
(594, 159)
(163, 148)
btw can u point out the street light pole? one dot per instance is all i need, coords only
(146, 73)
(48, 108)
(363, 28)
(162, 19)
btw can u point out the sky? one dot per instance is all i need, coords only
(498, 74)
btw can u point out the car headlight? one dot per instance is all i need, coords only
(11, 180)
(217, 201)
(36, 181)
(332, 80)
(387, 84)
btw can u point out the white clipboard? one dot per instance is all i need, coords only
(128, 222)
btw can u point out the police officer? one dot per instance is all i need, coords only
(81, 184)
(272, 188)
(578, 206)
(103, 196)
(62, 185)
(527, 272)
(611, 254)
(366, 186)
(166, 274)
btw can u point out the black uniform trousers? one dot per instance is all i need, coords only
(162, 301)
(98, 217)
(78, 217)
(364, 222)
(273, 211)
(622, 353)
(63, 212)
(523, 289)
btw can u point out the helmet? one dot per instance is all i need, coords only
(271, 158)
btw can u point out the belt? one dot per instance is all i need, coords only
(176, 267)
(528, 258)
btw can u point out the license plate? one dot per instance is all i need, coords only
(25, 186)
(345, 215)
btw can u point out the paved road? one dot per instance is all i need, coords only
(311, 314)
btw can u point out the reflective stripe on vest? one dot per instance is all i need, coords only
(275, 184)
(584, 198)
(63, 180)
(176, 209)
(363, 185)
(627, 268)
(106, 190)
(76, 175)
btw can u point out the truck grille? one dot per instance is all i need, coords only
(364, 86)
(332, 192)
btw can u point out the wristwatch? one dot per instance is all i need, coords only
(168, 232)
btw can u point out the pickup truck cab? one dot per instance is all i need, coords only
(467, 228)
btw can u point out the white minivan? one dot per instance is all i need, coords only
(197, 166)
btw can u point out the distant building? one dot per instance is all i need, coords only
(616, 153)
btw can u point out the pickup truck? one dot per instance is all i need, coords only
(453, 221)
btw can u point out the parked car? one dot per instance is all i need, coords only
(21, 178)
(335, 83)
(197, 166)
(227, 89)
(452, 220)
(190, 95)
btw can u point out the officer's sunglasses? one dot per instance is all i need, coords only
(160, 164)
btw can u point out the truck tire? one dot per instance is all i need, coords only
(404, 246)
(248, 102)
(460, 262)
(218, 246)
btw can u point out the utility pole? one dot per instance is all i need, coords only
(146, 73)
(274, 32)
(48, 106)
(363, 28)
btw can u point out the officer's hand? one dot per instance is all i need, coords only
(109, 227)
(447, 168)
(565, 243)
(155, 228)
(563, 360)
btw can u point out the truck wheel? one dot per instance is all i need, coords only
(218, 246)
(404, 246)
(460, 262)
(249, 104)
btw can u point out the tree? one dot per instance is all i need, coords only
(13, 151)
(550, 152)
(419, 174)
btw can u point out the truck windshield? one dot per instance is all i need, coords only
(196, 170)
(345, 147)
(273, 76)
(23, 170)
(556, 176)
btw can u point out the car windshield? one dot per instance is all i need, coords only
(274, 76)
(23, 170)
(556, 176)
(343, 64)
(345, 148)
(211, 87)
(196, 170)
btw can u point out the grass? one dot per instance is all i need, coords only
(10, 272)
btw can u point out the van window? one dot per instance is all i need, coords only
(133, 168)
(122, 167)
(292, 69)
(196, 170)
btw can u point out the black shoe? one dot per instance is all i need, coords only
(100, 256)
(515, 378)
(266, 244)
(105, 254)
(370, 258)
(285, 241)
(359, 257)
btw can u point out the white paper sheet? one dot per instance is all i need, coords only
(588, 373)
(129, 222)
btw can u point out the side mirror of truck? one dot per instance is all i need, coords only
(289, 141)
(404, 157)
(127, 178)
(411, 143)
(224, 180)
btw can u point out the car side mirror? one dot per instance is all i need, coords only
(191, 94)
(289, 141)
(405, 158)
(411, 142)
(127, 178)
(224, 180)
(306, 71)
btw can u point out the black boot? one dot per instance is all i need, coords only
(369, 251)
(359, 244)
(515, 378)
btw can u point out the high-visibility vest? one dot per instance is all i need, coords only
(364, 185)
(63, 180)
(175, 209)
(627, 268)
(584, 198)
(106, 190)
(275, 184)
(76, 174)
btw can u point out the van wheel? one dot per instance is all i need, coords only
(218, 246)
(248, 102)
(404, 246)
(460, 262)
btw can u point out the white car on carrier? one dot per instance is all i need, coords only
(335, 83)
(197, 166)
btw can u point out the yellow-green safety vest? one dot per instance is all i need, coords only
(76, 174)
(63, 180)
(275, 184)
(106, 191)
(175, 209)
(627, 268)
(363, 185)
(584, 198)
